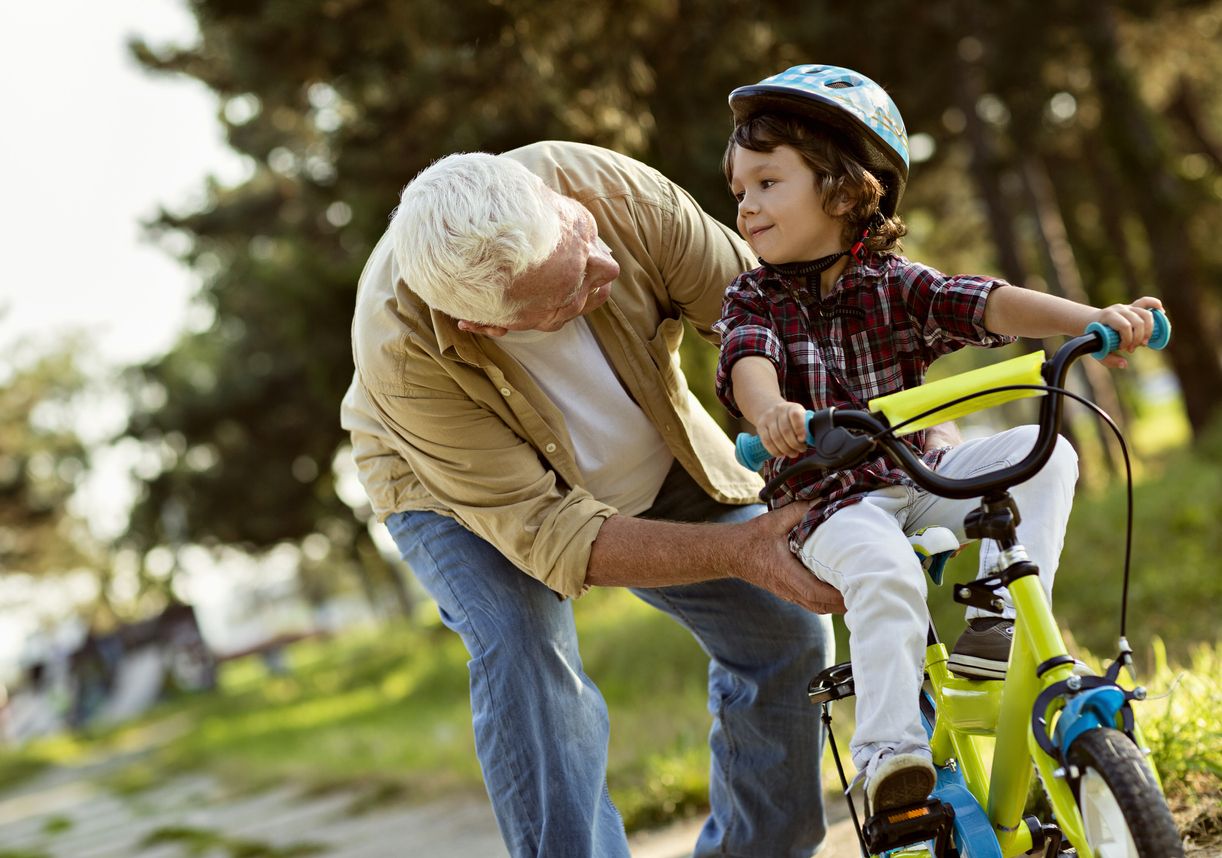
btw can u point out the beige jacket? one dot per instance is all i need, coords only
(444, 420)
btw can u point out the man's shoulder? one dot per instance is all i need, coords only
(586, 172)
(388, 321)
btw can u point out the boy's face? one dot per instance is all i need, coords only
(780, 211)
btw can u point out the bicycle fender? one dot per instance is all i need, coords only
(1087, 710)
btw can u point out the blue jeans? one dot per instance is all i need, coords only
(541, 726)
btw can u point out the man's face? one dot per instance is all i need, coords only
(573, 281)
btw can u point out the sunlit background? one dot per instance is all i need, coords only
(191, 188)
(101, 145)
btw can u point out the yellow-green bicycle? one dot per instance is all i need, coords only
(1077, 731)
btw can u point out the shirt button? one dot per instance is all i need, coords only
(505, 391)
(551, 448)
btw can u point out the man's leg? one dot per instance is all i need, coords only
(862, 551)
(766, 739)
(541, 727)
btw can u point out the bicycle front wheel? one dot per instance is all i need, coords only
(1124, 814)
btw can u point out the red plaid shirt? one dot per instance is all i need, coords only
(884, 322)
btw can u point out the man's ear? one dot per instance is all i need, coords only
(481, 330)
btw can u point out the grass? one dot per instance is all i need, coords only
(200, 841)
(383, 714)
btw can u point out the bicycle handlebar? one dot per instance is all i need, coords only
(827, 430)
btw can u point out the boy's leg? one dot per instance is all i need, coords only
(766, 740)
(862, 551)
(541, 728)
(1044, 502)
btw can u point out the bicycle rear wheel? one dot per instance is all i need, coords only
(1123, 811)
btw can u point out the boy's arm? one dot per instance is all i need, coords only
(781, 424)
(1019, 312)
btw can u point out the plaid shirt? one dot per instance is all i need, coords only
(884, 322)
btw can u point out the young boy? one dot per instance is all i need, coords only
(818, 162)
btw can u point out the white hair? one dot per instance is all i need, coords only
(466, 227)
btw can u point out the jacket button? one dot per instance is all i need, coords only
(505, 391)
(551, 448)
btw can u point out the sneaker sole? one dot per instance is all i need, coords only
(902, 788)
(977, 668)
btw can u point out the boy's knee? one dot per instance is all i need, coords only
(1064, 460)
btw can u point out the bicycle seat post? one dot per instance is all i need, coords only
(996, 518)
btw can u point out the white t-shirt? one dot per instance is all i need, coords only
(619, 452)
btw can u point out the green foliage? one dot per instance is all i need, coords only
(1174, 582)
(42, 459)
(199, 841)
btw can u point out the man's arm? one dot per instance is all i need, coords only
(634, 552)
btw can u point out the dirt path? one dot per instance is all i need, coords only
(70, 812)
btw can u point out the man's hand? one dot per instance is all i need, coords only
(767, 562)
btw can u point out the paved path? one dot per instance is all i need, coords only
(69, 812)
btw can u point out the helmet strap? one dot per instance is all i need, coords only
(813, 270)
(858, 248)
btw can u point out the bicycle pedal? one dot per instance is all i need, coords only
(903, 826)
(834, 683)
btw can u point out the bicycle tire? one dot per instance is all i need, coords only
(1115, 790)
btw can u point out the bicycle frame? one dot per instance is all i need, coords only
(966, 707)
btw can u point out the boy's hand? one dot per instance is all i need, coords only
(782, 428)
(943, 435)
(1133, 322)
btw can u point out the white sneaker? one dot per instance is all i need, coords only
(899, 780)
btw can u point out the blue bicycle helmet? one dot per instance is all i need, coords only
(851, 103)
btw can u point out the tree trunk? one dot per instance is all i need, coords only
(1111, 218)
(1162, 203)
(1065, 281)
(986, 167)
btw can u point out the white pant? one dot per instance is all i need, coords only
(863, 551)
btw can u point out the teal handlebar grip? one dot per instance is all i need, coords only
(1110, 339)
(750, 450)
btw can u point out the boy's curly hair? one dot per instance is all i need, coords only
(838, 173)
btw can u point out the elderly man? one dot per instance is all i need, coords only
(521, 422)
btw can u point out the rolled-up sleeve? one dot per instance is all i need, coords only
(493, 482)
(746, 329)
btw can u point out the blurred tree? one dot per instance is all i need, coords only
(42, 461)
(338, 103)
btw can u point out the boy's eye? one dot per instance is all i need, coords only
(738, 197)
(767, 183)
